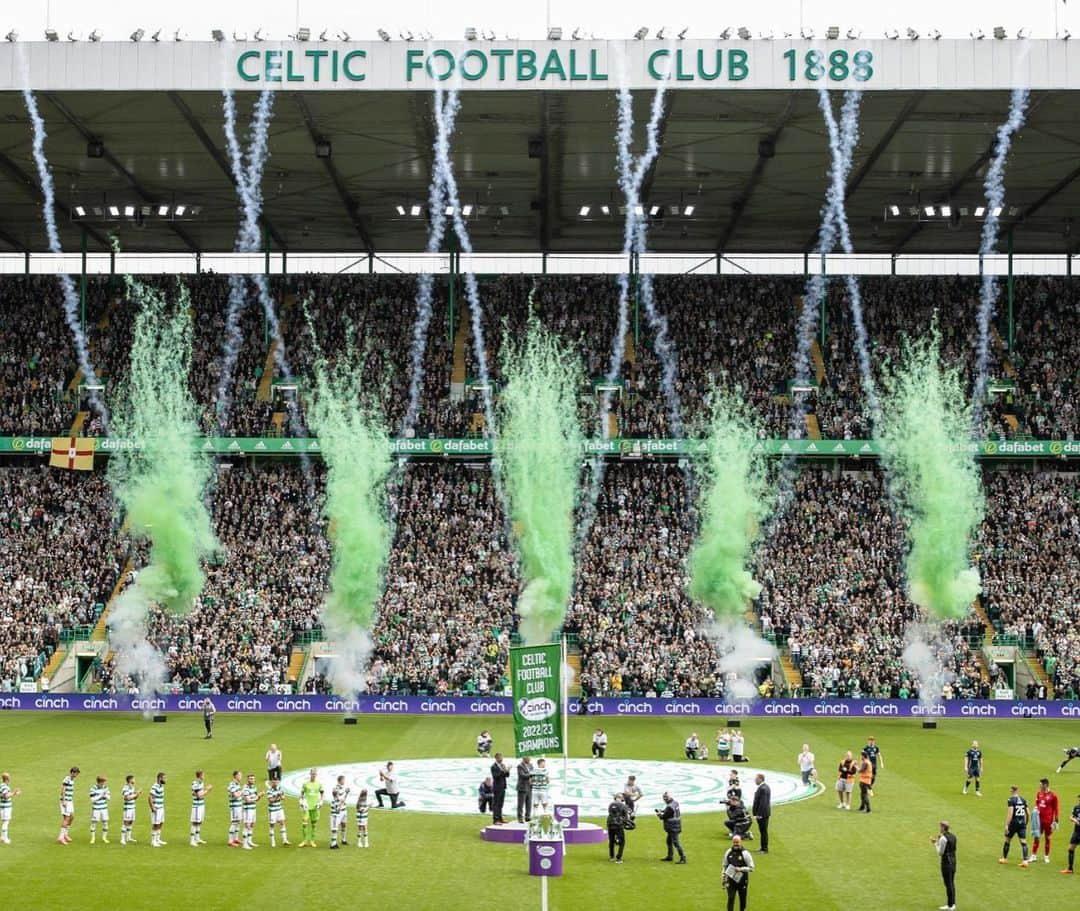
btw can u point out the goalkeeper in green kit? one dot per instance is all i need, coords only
(311, 798)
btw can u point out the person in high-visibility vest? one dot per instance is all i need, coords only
(866, 781)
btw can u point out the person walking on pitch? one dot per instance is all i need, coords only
(311, 798)
(362, 809)
(129, 793)
(1046, 818)
(737, 865)
(208, 712)
(873, 753)
(7, 796)
(617, 818)
(1016, 823)
(945, 844)
(671, 817)
(973, 768)
(99, 810)
(866, 780)
(67, 805)
(199, 790)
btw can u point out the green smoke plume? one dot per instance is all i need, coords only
(732, 501)
(162, 485)
(936, 484)
(540, 446)
(356, 451)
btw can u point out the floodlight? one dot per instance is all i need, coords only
(1065, 34)
(946, 211)
(415, 210)
(180, 210)
(218, 35)
(79, 211)
(892, 35)
(71, 36)
(660, 34)
(12, 36)
(929, 210)
(449, 210)
(894, 210)
(641, 33)
(162, 211)
(51, 35)
(238, 37)
(606, 210)
(470, 34)
(639, 209)
(832, 32)
(682, 34)
(744, 33)
(179, 35)
(767, 36)
(912, 34)
(303, 34)
(258, 36)
(997, 211)
(138, 34)
(323, 149)
(854, 33)
(980, 211)
(999, 33)
(95, 148)
(466, 210)
(575, 35)
(343, 36)
(323, 34)
(935, 35)
(978, 34)
(555, 33)
(583, 211)
(1023, 33)
(114, 211)
(400, 210)
(95, 35)
(1014, 211)
(384, 34)
(404, 36)
(654, 210)
(156, 36)
(688, 211)
(807, 33)
(129, 211)
(725, 34)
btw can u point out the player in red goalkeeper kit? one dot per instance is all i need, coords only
(1048, 815)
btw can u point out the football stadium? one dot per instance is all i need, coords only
(511, 468)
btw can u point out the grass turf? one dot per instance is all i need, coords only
(820, 858)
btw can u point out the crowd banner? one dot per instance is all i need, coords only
(505, 705)
(465, 448)
(535, 675)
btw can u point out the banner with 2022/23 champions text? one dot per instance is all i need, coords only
(537, 696)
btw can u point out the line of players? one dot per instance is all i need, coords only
(243, 799)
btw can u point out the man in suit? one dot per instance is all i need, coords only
(500, 771)
(762, 810)
(524, 789)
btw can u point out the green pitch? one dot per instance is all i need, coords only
(820, 858)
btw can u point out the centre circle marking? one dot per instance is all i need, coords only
(450, 785)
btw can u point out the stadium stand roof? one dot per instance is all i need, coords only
(752, 162)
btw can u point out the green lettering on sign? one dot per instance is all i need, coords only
(553, 67)
(242, 70)
(526, 65)
(272, 69)
(737, 68)
(347, 69)
(479, 71)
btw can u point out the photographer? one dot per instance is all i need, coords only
(486, 795)
(737, 866)
(738, 820)
(617, 820)
(671, 817)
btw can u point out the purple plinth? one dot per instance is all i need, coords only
(566, 814)
(545, 857)
(514, 834)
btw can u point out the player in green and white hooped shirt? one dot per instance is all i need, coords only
(99, 810)
(130, 794)
(362, 809)
(199, 790)
(7, 794)
(311, 798)
(249, 796)
(67, 805)
(275, 808)
(541, 782)
(156, 799)
(339, 811)
(235, 808)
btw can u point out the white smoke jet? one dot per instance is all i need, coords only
(67, 286)
(925, 648)
(994, 188)
(135, 656)
(740, 651)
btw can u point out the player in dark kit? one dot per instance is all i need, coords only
(1070, 754)
(973, 766)
(873, 753)
(1016, 822)
(1075, 839)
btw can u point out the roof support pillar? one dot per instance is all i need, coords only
(824, 296)
(1009, 285)
(82, 284)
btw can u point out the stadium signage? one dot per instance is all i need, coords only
(498, 705)
(296, 446)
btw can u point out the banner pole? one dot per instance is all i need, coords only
(543, 894)
(565, 718)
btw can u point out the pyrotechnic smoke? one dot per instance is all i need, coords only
(994, 187)
(445, 122)
(926, 655)
(933, 478)
(67, 287)
(540, 444)
(160, 485)
(356, 451)
(732, 502)
(446, 110)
